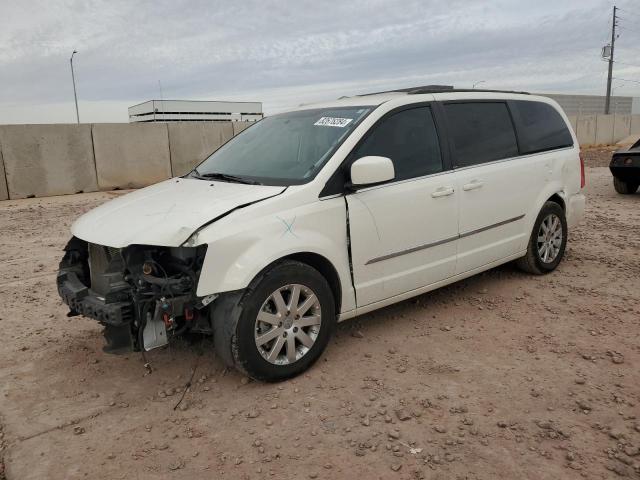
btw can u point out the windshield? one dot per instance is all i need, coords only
(285, 149)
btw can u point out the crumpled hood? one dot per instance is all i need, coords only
(166, 213)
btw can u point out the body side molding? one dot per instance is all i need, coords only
(443, 241)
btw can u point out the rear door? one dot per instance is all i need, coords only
(403, 233)
(496, 185)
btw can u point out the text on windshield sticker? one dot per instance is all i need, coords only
(333, 122)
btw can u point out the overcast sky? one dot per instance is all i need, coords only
(288, 52)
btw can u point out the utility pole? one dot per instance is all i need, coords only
(73, 79)
(607, 103)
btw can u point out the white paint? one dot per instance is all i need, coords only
(166, 213)
(372, 169)
(389, 219)
(435, 211)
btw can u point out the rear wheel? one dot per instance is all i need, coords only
(547, 242)
(285, 320)
(624, 188)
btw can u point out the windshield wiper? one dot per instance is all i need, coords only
(226, 177)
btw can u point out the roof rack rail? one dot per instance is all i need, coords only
(409, 90)
(457, 90)
(439, 89)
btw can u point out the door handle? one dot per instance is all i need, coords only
(473, 185)
(443, 192)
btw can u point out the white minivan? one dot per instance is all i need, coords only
(320, 214)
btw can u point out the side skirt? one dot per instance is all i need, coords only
(427, 288)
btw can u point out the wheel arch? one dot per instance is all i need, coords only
(225, 311)
(558, 198)
(553, 192)
(326, 269)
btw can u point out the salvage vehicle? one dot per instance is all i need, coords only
(320, 214)
(625, 168)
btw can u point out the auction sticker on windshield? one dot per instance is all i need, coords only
(333, 122)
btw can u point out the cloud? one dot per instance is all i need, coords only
(286, 53)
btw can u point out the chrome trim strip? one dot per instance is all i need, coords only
(499, 224)
(441, 242)
(411, 250)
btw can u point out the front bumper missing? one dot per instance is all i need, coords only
(83, 301)
(116, 317)
(142, 295)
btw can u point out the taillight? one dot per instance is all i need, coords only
(582, 180)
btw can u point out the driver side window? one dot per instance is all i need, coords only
(409, 138)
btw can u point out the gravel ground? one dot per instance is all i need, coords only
(503, 375)
(600, 156)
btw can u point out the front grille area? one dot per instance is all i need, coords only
(105, 266)
(98, 260)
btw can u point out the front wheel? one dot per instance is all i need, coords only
(625, 188)
(285, 320)
(547, 242)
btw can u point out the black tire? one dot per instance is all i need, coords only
(625, 188)
(234, 333)
(532, 262)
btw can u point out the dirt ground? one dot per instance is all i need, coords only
(504, 375)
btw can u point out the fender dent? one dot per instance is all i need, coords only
(192, 240)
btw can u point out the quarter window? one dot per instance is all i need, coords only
(540, 127)
(409, 139)
(481, 132)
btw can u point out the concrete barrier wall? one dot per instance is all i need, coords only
(586, 129)
(604, 129)
(45, 160)
(621, 127)
(240, 126)
(131, 155)
(190, 143)
(635, 124)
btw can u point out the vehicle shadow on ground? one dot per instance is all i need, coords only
(399, 313)
(196, 351)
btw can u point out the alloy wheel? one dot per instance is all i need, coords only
(549, 239)
(288, 324)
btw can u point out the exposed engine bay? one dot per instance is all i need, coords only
(143, 295)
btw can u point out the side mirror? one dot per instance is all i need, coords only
(371, 170)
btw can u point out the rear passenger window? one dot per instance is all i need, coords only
(409, 139)
(540, 127)
(481, 132)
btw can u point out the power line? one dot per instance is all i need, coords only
(627, 29)
(628, 12)
(626, 80)
(627, 64)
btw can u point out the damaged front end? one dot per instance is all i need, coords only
(142, 295)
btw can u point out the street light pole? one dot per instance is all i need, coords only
(73, 79)
(478, 83)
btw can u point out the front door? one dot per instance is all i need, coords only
(403, 233)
